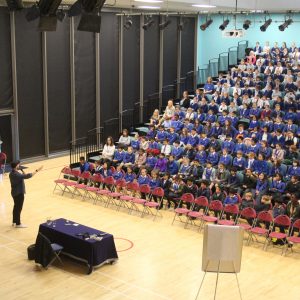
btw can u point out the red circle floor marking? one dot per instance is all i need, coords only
(130, 242)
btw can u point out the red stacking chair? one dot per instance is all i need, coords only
(90, 191)
(282, 222)
(159, 193)
(66, 171)
(69, 184)
(294, 237)
(121, 185)
(109, 183)
(193, 216)
(248, 214)
(80, 187)
(265, 218)
(186, 198)
(3, 158)
(143, 189)
(113, 197)
(216, 207)
(131, 187)
(231, 209)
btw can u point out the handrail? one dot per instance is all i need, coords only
(97, 128)
(112, 119)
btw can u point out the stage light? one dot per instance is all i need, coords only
(60, 15)
(163, 25)
(128, 23)
(265, 26)
(181, 26)
(14, 5)
(246, 24)
(148, 24)
(224, 25)
(285, 25)
(33, 13)
(206, 24)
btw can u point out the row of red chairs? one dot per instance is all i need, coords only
(262, 224)
(113, 192)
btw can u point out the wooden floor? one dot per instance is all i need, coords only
(164, 263)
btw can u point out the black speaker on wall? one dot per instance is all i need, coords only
(90, 23)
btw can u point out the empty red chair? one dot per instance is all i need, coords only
(131, 187)
(193, 216)
(80, 187)
(233, 211)
(187, 199)
(248, 214)
(159, 193)
(262, 227)
(283, 223)
(108, 182)
(113, 197)
(294, 237)
(73, 180)
(65, 172)
(215, 207)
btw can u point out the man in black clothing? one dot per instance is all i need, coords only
(18, 191)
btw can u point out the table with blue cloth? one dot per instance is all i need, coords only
(94, 251)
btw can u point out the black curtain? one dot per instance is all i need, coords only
(5, 134)
(85, 81)
(6, 97)
(187, 45)
(170, 52)
(109, 67)
(131, 64)
(151, 58)
(58, 63)
(30, 87)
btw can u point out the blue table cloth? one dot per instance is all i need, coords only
(93, 252)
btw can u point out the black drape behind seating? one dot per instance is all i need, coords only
(109, 66)
(5, 133)
(170, 52)
(30, 87)
(58, 63)
(6, 97)
(131, 64)
(151, 58)
(187, 46)
(85, 81)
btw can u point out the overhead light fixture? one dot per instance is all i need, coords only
(246, 24)
(285, 25)
(128, 23)
(164, 24)
(149, 1)
(224, 25)
(206, 24)
(149, 7)
(265, 26)
(204, 5)
(148, 24)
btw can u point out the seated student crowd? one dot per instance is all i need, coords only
(237, 138)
